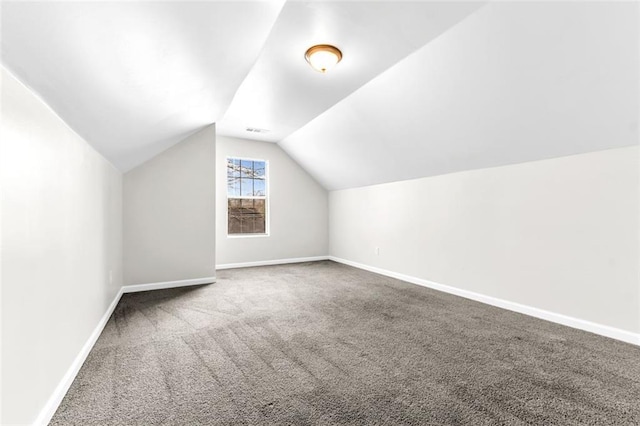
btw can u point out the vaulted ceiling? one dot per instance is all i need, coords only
(514, 82)
(134, 78)
(282, 93)
(424, 88)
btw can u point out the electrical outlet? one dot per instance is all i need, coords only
(377, 251)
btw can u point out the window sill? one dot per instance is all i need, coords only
(247, 235)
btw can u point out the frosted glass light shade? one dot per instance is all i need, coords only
(323, 57)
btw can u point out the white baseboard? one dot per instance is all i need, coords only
(271, 262)
(167, 284)
(603, 330)
(55, 399)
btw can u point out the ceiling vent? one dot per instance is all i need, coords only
(256, 130)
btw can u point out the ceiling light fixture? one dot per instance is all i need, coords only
(322, 57)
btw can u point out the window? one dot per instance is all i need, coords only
(246, 197)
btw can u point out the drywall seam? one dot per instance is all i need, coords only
(134, 288)
(58, 394)
(603, 330)
(271, 262)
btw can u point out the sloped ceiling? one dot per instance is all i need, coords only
(514, 82)
(424, 88)
(134, 78)
(282, 93)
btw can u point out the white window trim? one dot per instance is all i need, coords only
(267, 225)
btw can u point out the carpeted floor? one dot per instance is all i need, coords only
(323, 343)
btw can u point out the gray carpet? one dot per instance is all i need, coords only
(323, 343)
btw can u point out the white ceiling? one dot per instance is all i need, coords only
(134, 78)
(282, 93)
(424, 88)
(514, 82)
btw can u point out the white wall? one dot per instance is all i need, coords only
(297, 208)
(61, 248)
(169, 214)
(559, 234)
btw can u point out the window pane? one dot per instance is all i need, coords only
(233, 187)
(247, 216)
(259, 188)
(229, 168)
(246, 167)
(259, 169)
(233, 177)
(246, 187)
